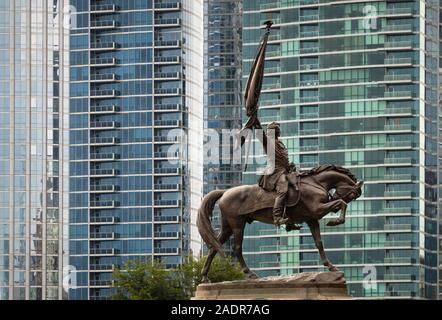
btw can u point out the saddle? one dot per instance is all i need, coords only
(266, 199)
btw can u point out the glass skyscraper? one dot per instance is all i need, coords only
(136, 110)
(355, 84)
(222, 91)
(33, 108)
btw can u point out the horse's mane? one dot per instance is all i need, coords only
(328, 167)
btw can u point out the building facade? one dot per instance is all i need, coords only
(356, 84)
(136, 110)
(33, 108)
(222, 92)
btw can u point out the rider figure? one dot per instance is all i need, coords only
(275, 175)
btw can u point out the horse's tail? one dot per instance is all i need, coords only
(203, 221)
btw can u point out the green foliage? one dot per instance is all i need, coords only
(152, 281)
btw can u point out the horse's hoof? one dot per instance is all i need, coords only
(252, 275)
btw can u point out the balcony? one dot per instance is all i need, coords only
(103, 173)
(166, 155)
(398, 194)
(103, 78)
(103, 141)
(103, 267)
(167, 123)
(399, 11)
(167, 203)
(397, 243)
(398, 210)
(103, 8)
(104, 125)
(167, 91)
(399, 127)
(166, 139)
(399, 28)
(397, 227)
(272, 69)
(166, 187)
(271, 86)
(309, 34)
(308, 83)
(102, 157)
(310, 17)
(399, 61)
(308, 148)
(171, 22)
(167, 44)
(167, 60)
(104, 46)
(270, 102)
(167, 107)
(167, 76)
(308, 132)
(104, 25)
(397, 177)
(167, 235)
(167, 6)
(396, 110)
(104, 94)
(401, 260)
(99, 236)
(172, 251)
(398, 44)
(310, 66)
(103, 109)
(309, 115)
(103, 252)
(269, 7)
(398, 277)
(398, 77)
(403, 161)
(398, 94)
(103, 188)
(308, 50)
(167, 219)
(167, 171)
(103, 220)
(101, 283)
(104, 204)
(103, 62)
(273, 53)
(309, 99)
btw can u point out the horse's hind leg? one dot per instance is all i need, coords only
(223, 236)
(238, 224)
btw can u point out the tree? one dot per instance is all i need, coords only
(152, 281)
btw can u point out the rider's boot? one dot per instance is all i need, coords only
(278, 211)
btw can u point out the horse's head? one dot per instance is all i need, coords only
(348, 192)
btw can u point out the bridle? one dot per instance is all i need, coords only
(356, 189)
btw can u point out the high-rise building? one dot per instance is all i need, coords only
(356, 84)
(136, 111)
(33, 110)
(222, 92)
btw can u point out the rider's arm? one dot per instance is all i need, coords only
(261, 137)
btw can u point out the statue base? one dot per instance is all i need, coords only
(301, 286)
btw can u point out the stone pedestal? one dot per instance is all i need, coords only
(302, 286)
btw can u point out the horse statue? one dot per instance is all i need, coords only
(309, 199)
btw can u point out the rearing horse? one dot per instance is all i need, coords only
(248, 203)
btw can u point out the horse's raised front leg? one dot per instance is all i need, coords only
(316, 233)
(342, 205)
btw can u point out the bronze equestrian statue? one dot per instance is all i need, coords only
(283, 196)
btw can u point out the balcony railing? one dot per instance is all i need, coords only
(104, 204)
(167, 75)
(398, 77)
(104, 125)
(166, 139)
(310, 17)
(103, 267)
(307, 34)
(168, 91)
(166, 250)
(398, 11)
(167, 43)
(172, 171)
(105, 24)
(104, 46)
(103, 109)
(397, 226)
(101, 283)
(398, 44)
(97, 94)
(167, 60)
(103, 188)
(167, 235)
(103, 252)
(167, 203)
(110, 77)
(167, 22)
(399, 28)
(167, 6)
(103, 172)
(167, 219)
(103, 220)
(397, 94)
(103, 62)
(407, 127)
(104, 157)
(398, 61)
(103, 8)
(165, 187)
(167, 107)
(102, 235)
(104, 141)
